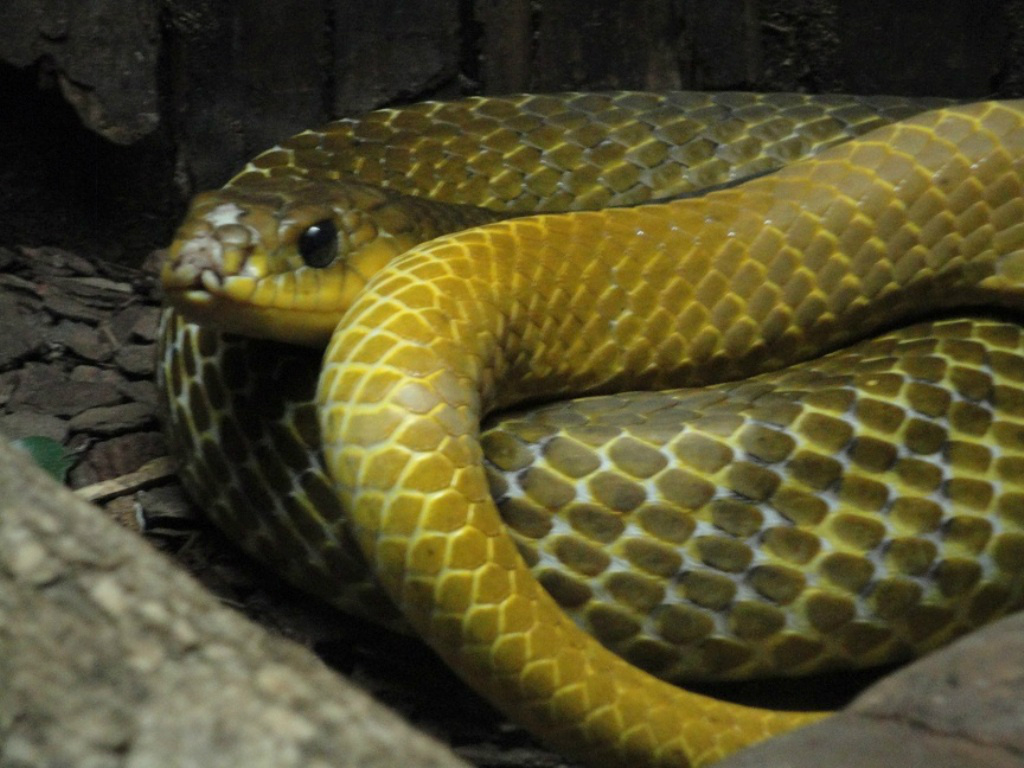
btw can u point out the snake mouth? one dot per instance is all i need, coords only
(229, 314)
(206, 282)
(196, 288)
(193, 279)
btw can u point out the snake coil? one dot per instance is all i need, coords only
(843, 511)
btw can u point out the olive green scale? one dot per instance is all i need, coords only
(855, 510)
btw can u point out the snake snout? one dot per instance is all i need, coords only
(207, 257)
(194, 262)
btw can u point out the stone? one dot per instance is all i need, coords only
(121, 325)
(59, 262)
(48, 390)
(116, 457)
(166, 506)
(113, 419)
(96, 374)
(975, 687)
(82, 339)
(97, 291)
(142, 391)
(960, 706)
(137, 359)
(64, 305)
(30, 423)
(21, 336)
(147, 326)
(105, 55)
(848, 742)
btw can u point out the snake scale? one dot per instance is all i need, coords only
(794, 514)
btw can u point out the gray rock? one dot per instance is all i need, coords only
(30, 423)
(82, 339)
(48, 390)
(114, 419)
(146, 327)
(961, 707)
(137, 359)
(20, 335)
(116, 457)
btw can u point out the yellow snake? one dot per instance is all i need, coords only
(902, 454)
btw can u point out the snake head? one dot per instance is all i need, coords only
(282, 257)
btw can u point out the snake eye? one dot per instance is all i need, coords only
(318, 244)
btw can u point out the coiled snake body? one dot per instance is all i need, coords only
(850, 510)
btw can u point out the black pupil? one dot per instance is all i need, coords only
(319, 243)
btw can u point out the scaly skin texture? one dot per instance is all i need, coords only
(241, 418)
(576, 151)
(778, 526)
(852, 510)
(920, 216)
(484, 158)
(892, 220)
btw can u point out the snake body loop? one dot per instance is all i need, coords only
(919, 217)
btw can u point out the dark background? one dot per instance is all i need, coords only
(114, 112)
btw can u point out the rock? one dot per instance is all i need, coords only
(94, 374)
(98, 291)
(30, 423)
(126, 511)
(21, 336)
(82, 339)
(146, 327)
(64, 305)
(974, 688)
(848, 742)
(19, 286)
(166, 507)
(958, 707)
(137, 359)
(143, 391)
(8, 383)
(424, 54)
(116, 457)
(105, 55)
(122, 324)
(60, 262)
(48, 390)
(114, 419)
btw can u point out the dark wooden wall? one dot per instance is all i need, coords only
(113, 112)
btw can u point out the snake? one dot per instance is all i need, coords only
(581, 449)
